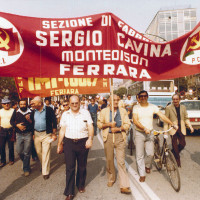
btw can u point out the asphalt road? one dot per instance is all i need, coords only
(13, 184)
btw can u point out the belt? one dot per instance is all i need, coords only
(77, 140)
(115, 133)
(40, 131)
(6, 129)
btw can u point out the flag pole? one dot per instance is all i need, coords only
(112, 105)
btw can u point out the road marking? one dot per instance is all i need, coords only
(140, 191)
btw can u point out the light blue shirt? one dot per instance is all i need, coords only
(40, 119)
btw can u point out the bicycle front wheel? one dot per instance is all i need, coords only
(131, 142)
(157, 156)
(172, 171)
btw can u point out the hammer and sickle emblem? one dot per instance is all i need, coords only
(196, 42)
(4, 43)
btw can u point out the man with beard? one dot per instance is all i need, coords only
(23, 124)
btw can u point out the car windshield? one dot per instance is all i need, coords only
(191, 105)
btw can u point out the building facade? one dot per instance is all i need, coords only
(171, 24)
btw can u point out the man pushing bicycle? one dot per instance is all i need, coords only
(143, 120)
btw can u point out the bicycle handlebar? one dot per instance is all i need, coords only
(155, 132)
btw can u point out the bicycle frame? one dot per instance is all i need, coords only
(166, 157)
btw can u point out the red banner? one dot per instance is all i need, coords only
(93, 46)
(45, 87)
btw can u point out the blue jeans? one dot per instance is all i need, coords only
(94, 119)
(23, 147)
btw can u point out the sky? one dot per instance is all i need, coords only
(136, 13)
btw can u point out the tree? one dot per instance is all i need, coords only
(121, 91)
(8, 88)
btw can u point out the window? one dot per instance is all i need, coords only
(174, 35)
(186, 13)
(168, 27)
(168, 16)
(162, 27)
(174, 14)
(161, 16)
(169, 37)
(162, 35)
(187, 26)
(193, 13)
(174, 27)
(193, 24)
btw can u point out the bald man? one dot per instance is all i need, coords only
(45, 126)
(77, 135)
(116, 129)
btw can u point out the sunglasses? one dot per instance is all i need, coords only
(65, 104)
(6, 103)
(141, 96)
(76, 103)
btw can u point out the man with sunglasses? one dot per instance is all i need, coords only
(6, 132)
(143, 120)
(77, 135)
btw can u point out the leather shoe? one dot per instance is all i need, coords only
(2, 164)
(69, 197)
(110, 184)
(142, 179)
(81, 190)
(11, 162)
(148, 170)
(125, 190)
(26, 174)
(45, 177)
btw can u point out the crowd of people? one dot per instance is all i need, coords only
(75, 122)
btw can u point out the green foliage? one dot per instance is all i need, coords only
(121, 91)
(8, 88)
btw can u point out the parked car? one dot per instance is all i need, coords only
(193, 110)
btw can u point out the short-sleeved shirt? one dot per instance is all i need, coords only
(93, 108)
(76, 124)
(5, 116)
(40, 120)
(145, 115)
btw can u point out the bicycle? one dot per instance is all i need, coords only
(164, 156)
(131, 145)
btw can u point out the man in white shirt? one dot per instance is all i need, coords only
(6, 132)
(77, 134)
(143, 120)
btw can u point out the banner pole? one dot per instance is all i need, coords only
(112, 105)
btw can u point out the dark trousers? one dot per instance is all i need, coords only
(178, 144)
(75, 151)
(6, 137)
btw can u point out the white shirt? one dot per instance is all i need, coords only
(76, 124)
(145, 115)
(5, 116)
(128, 102)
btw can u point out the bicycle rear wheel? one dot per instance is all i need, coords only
(157, 156)
(131, 142)
(172, 171)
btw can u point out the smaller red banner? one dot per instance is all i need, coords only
(44, 87)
